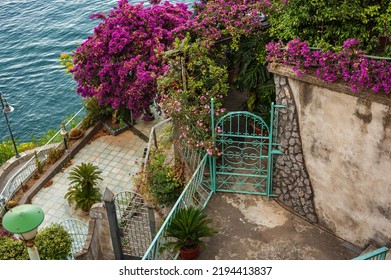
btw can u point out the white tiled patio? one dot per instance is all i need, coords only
(119, 157)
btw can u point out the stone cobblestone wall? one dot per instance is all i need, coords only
(290, 179)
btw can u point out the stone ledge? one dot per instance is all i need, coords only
(287, 71)
(56, 167)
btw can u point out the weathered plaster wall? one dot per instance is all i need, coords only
(346, 146)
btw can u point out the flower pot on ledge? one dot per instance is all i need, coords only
(75, 133)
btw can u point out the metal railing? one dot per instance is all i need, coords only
(29, 168)
(156, 131)
(78, 231)
(197, 193)
(378, 254)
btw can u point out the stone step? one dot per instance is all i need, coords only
(370, 248)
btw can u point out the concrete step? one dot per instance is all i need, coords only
(370, 248)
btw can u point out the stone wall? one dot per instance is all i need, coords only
(290, 179)
(98, 245)
(337, 161)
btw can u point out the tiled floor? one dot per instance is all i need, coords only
(119, 157)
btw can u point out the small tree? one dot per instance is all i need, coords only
(83, 191)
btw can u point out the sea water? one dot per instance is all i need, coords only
(33, 34)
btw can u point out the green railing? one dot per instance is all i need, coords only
(378, 254)
(197, 193)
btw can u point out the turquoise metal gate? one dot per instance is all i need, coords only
(247, 147)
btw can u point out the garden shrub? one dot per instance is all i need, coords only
(53, 243)
(328, 23)
(11, 249)
(159, 183)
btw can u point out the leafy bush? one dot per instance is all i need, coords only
(253, 77)
(160, 183)
(328, 23)
(83, 179)
(187, 89)
(95, 112)
(6, 151)
(53, 243)
(54, 155)
(11, 249)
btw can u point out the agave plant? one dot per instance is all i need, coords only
(187, 228)
(83, 191)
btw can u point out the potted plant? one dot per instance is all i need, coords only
(187, 228)
(75, 133)
(83, 191)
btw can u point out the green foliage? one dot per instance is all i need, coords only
(95, 112)
(11, 249)
(187, 227)
(54, 155)
(83, 179)
(197, 73)
(44, 137)
(328, 23)
(75, 132)
(72, 121)
(54, 243)
(6, 150)
(158, 182)
(253, 77)
(66, 61)
(38, 164)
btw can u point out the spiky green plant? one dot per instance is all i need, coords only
(187, 227)
(83, 191)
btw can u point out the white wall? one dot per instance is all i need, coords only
(346, 143)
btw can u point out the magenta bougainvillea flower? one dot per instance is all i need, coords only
(119, 63)
(349, 65)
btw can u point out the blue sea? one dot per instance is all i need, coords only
(33, 34)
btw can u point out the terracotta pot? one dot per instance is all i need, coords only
(189, 254)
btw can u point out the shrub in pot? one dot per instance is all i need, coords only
(75, 133)
(187, 228)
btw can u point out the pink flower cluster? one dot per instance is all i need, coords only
(216, 19)
(120, 62)
(351, 65)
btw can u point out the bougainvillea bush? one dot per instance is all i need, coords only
(198, 68)
(222, 19)
(350, 65)
(120, 62)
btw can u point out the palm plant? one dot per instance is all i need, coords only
(83, 191)
(187, 227)
(253, 77)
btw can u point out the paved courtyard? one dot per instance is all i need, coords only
(119, 157)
